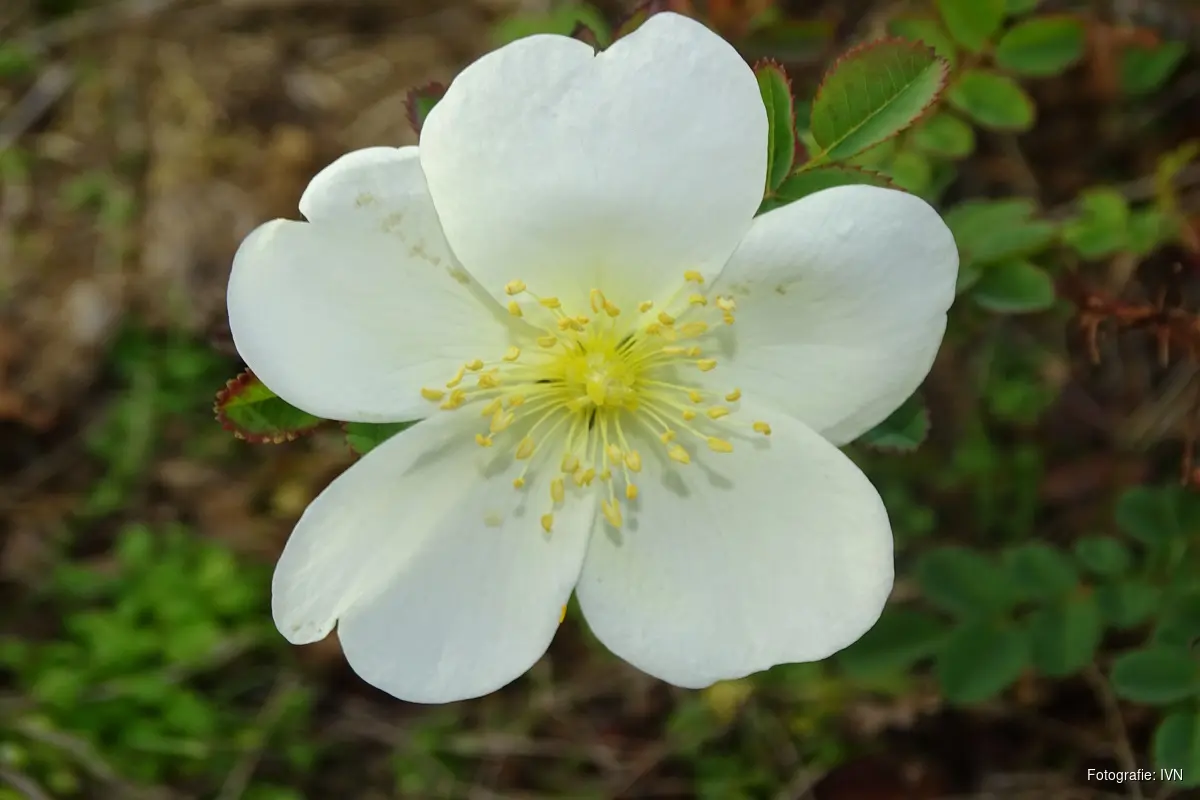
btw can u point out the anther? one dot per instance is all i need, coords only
(457, 379)
(726, 304)
(716, 412)
(665, 318)
(667, 436)
(677, 453)
(547, 522)
(611, 309)
(547, 341)
(614, 453)
(524, 449)
(501, 420)
(515, 309)
(693, 276)
(569, 463)
(645, 306)
(491, 408)
(706, 364)
(518, 483)
(697, 300)
(474, 365)
(633, 460)
(514, 287)
(558, 490)
(695, 396)
(516, 400)
(612, 512)
(763, 428)
(727, 318)
(733, 396)
(488, 380)
(549, 302)
(455, 400)
(631, 491)
(512, 354)
(483, 441)
(694, 328)
(719, 445)
(596, 297)
(432, 394)
(688, 415)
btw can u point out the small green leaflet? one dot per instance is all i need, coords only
(363, 437)
(904, 430)
(872, 93)
(251, 411)
(1042, 46)
(419, 102)
(993, 100)
(1014, 287)
(972, 23)
(776, 92)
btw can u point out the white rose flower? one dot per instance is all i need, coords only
(633, 389)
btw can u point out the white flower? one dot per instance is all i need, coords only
(633, 388)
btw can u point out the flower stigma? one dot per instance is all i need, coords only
(586, 388)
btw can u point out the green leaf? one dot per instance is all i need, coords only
(972, 23)
(1064, 637)
(900, 638)
(1149, 229)
(363, 437)
(1156, 675)
(810, 181)
(1102, 226)
(564, 19)
(989, 231)
(1176, 746)
(1128, 604)
(1014, 287)
(1180, 622)
(251, 411)
(904, 429)
(872, 93)
(1040, 571)
(776, 92)
(1018, 7)
(911, 171)
(945, 134)
(1042, 46)
(993, 100)
(928, 31)
(1103, 556)
(1145, 69)
(980, 660)
(1156, 514)
(419, 102)
(963, 583)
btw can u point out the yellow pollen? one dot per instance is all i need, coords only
(584, 477)
(547, 341)
(727, 318)
(474, 365)
(645, 306)
(693, 351)
(518, 483)
(524, 449)
(696, 328)
(665, 318)
(455, 400)
(726, 304)
(688, 415)
(501, 420)
(582, 320)
(653, 329)
(547, 522)
(488, 380)
(516, 400)
(716, 412)
(570, 463)
(558, 490)
(491, 408)
(733, 396)
(515, 309)
(483, 441)
(611, 309)
(432, 394)
(612, 512)
(514, 287)
(695, 396)
(697, 300)
(674, 350)
(719, 445)
(693, 276)
(633, 460)
(457, 379)
(763, 428)
(613, 452)
(706, 364)
(631, 491)
(512, 354)
(667, 436)
(596, 298)
(677, 453)
(550, 302)
(605, 474)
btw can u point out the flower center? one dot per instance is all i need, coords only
(584, 389)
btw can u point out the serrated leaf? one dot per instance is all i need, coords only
(945, 134)
(992, 100)
(989, 231)
(810, 181)
(979, 660)
(1176, 748)
(1014, 287)
(1064, 637)
(963, 583)
(1103, 556)
(872, 93)
(1040, 571)
(929, 31)
(904, 430)
(1156, 675)
(1129, 603)
(1042, 46)
(972, 23)
(1144, 69)
(776, 91)
(420, 101)
(363, 437)
(901, 638)
(251, 411)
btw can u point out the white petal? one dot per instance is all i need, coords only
(366, 186)
(569, 169)
(779, 552)
(349, 324)
(444, 583)
(842, 300)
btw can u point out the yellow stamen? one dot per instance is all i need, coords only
(612, 512)
(695, 396)
(524, 449)
(550, 302)
(719, 445)
(633, 460)
(483, 441)
(570, 463)
(515, 309)
(631, 491)
(457, 379)
(677, 453)
(763, 428)
(688, 415)
(716, 412)
(512, 354)
(692, 276)
(547, 341)
(665, 318)
(706, 364)
(518, 483)
(645, 306)
(432, 394)
(733, 396)
(558, 490)
(514, 287)
(474, 365)
(547, 522)
(696, 328)
(697, 300)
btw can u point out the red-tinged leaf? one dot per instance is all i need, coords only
(250, 411)
(644, 11)
(421, 101)
(586, 34)
(872, 93)
(776, 90)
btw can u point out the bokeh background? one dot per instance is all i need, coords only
(1044, 540)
